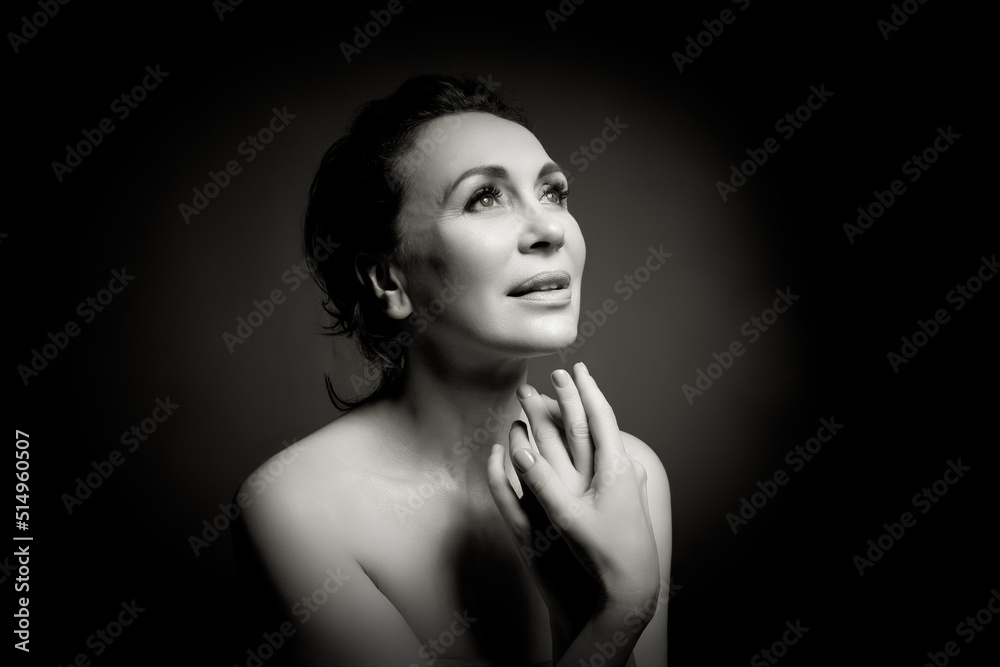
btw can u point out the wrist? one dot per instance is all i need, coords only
(565, 625)
(638, 586)
(634, 610)
(609, 634)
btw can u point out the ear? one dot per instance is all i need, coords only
(387, 282)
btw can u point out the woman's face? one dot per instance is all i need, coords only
(494, 259)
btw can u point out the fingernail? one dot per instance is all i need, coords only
(524, 391)
(523, 459)
(560, 378)
(583, 367)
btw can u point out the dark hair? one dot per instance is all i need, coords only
(354, 205)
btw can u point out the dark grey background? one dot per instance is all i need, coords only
(655, 185)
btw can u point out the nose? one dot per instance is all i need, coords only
(543, 231)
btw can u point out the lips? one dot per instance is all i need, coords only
(547, 281)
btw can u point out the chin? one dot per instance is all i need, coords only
(552, 339)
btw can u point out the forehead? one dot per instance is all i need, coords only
(453, 144)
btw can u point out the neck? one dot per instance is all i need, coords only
(455, 415)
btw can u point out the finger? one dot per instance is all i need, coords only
(541, 480)
(608, 447)
(552, 405)
(574, 418)
(639, 472)
(547, 436)
(504, 496)
(529, 504)
(640, 477)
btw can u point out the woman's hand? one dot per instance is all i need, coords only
(584, 490)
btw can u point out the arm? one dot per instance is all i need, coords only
(651, 648)
(625, 631)
(583, 479)
(336, 614)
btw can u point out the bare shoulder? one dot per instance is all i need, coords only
(301, 507)
(656, 474)
(298, 549)
(307, 484)
(651, 649)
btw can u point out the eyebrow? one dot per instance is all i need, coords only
(496, 171)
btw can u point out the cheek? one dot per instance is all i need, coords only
(453, 275)
(477, 256)
(576, 245)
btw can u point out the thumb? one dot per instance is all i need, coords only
(538, 475)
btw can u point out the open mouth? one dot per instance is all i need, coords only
(549, 281)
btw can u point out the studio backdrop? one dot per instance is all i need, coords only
(789, 295)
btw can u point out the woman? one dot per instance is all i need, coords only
(399, 536)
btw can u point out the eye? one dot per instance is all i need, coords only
(555, 193)
(484, 198)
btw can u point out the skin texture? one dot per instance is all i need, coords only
(396, 516)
